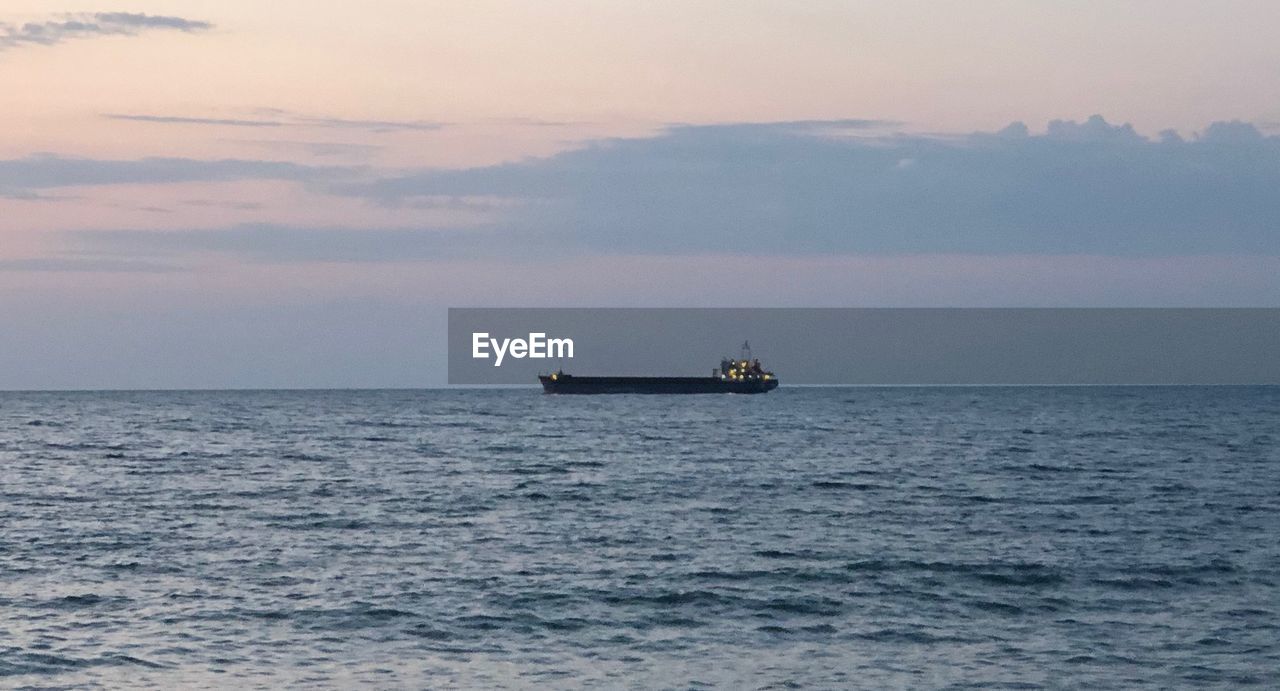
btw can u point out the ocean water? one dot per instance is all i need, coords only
(856, 537)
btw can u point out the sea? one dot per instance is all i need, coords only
(808, 538)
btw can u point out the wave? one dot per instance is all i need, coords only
(29, 663)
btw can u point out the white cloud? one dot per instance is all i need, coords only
(89, 25)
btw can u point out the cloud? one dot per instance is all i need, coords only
(221, 204)
(541, 122)
(85, 265)
(144, 21)
(371, 125)
(798, 127)
(88, 25)
(1095, 129)
(281, 118)
(30, 196)
(178, 120)
(773, 189)
(313, 148)
(289, 244)
(23, 176)
(793, 188)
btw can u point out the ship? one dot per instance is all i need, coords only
(741, 375)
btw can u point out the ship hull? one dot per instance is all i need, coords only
(569, 384)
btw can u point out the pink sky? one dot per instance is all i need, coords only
(355, 92)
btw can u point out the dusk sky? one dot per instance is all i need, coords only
(289, 194)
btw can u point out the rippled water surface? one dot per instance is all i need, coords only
(809, 537)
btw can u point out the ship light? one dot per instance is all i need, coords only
(554, 377)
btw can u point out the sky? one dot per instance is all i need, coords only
(289, 194)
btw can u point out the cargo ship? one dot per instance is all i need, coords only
(743, 375)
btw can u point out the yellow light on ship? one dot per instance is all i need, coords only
(553, 377)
